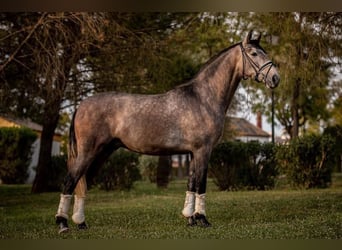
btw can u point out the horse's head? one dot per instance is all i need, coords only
(256, 64)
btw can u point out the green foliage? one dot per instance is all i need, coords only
(57, 172)
(148, 167)
(299, 43)
(306, 161)
(152, 52)
(337, 104)
(236, 165)
(15, 154)
(335, 132)
(119, 172)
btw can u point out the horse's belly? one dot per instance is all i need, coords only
(154, 144)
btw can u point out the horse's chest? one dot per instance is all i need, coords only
(204, 129)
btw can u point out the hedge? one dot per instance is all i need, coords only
(15, 154)
(307, 161)
(148, 167)
(239, 165)
(335, 132)
(119, 172)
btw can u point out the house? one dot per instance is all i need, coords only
(7, 121)
(239, 129)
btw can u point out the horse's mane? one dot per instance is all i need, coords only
(205, 65)
(213, 58)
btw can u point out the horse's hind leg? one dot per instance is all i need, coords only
(77, 168)
(76, 181)
(78, 216)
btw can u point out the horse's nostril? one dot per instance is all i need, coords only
(275, 79)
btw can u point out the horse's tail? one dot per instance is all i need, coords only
(72, 149)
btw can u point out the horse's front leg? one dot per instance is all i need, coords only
(194, 206)
(189, 204)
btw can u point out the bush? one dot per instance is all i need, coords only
(119, 172)
(237, 165)
(267, 166)
(15, 154)
(148, 167)
(335, 132)
(305, 161)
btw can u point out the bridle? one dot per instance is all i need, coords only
(258, 70)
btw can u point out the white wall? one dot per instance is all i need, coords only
(252, 138)
(56, 146)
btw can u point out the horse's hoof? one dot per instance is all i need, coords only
(192, 221)
(82, 226)
(63, 230)
(202, 220)
(62, 224)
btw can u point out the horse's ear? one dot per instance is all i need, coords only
(258, 38)
(248, 38)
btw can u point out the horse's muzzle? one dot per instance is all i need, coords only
(275, 80)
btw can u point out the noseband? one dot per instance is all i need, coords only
(258, 70)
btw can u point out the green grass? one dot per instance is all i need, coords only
(150, 213)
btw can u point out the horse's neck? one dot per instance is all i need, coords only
(218, 82)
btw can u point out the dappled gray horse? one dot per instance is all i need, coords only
(187, 119)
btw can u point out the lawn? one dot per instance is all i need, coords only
(147, 212)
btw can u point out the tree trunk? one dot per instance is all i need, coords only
(54, 98)
(163, 171)
(295, 110)
(296, 88)
(187, 164)
(50, 122)
(180, 167)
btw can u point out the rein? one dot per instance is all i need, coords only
(258, 70)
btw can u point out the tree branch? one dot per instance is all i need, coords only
(23, 42)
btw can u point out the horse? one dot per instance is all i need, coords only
(187, 119)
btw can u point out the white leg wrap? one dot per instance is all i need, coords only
(64, 205)
(78, 214)
(189, 204)
(200, 204)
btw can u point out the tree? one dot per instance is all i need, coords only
(163, 171)
(143, 57)
(47, 47)
(336, 107)
(304, 46)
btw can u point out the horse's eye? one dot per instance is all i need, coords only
(254, 54)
